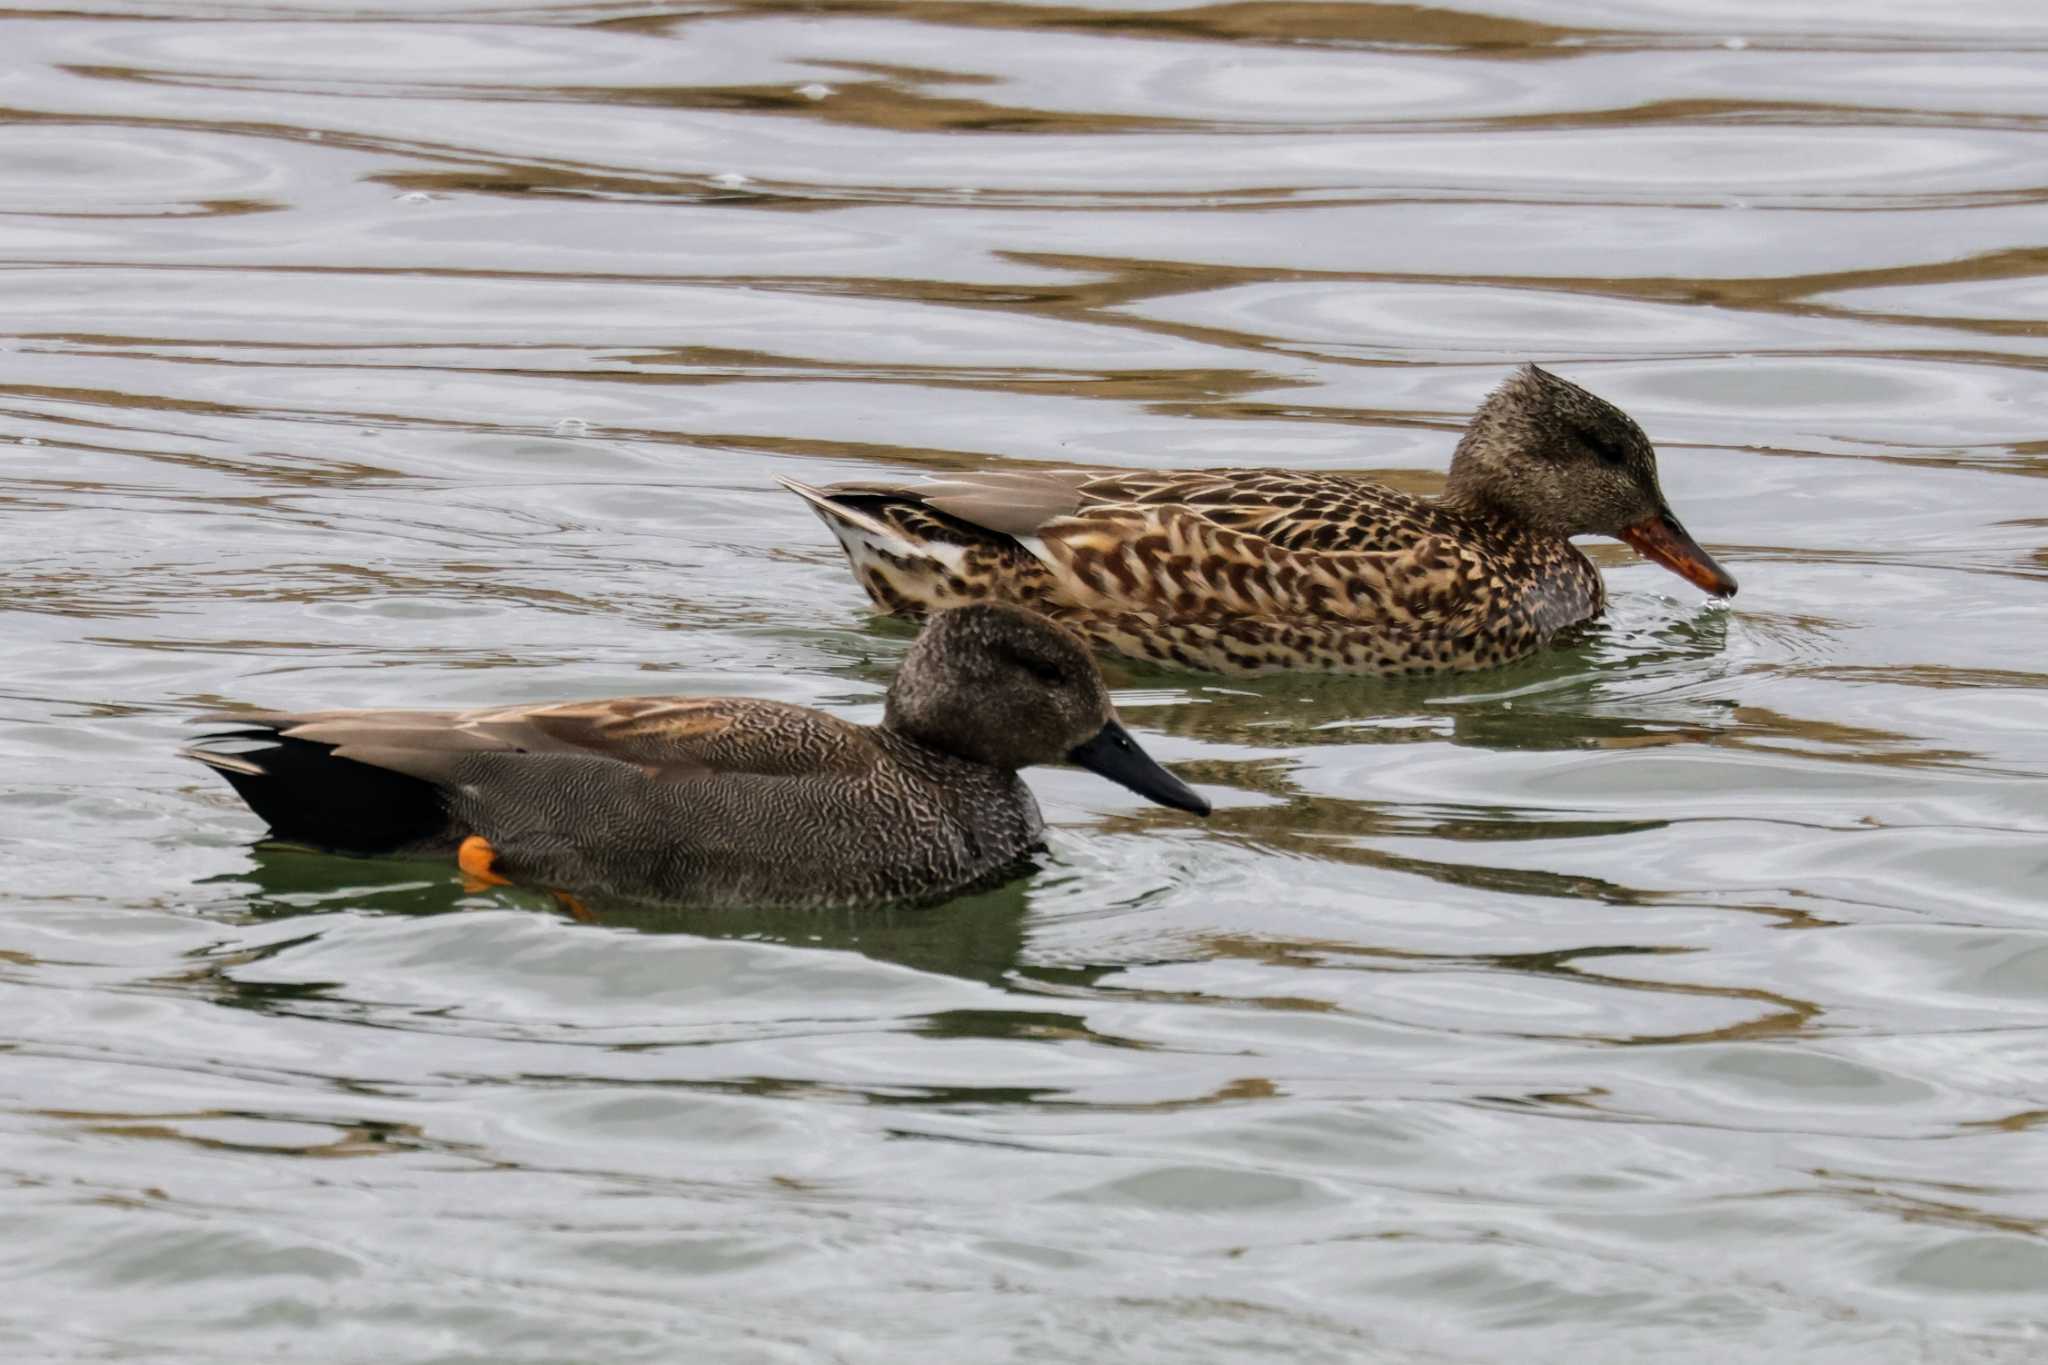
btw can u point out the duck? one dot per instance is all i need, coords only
(726, 802)
(1251, 571)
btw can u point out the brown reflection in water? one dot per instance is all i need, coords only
(1329, 829)
(490, 173)
(1240, 1091)
(2020, 1122)
(1123, 281)
(1763, 730)
(1286, 1004)
(1263, 22)
(1765, 113)
(145, 592)
(1243, 721)
(1884, 1194)
(1298, 714)
(888, 104)
(1244, 1090)
(363, 1137)
(717, 365)
(1212, 392)
(268, 467)
(1924, 675)
(1785, 1014)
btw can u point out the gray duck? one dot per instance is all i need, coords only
(1247, 571)
(726, 801)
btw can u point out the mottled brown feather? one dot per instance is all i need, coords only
(1235, 571)
(1257, 570)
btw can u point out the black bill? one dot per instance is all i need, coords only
(1115, 755)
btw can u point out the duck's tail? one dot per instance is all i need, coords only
(308, 794)
(841, 517)
(909, 558)
(865, 530)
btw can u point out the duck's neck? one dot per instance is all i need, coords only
(1465, 487)
(1486, 493)
(926, 756)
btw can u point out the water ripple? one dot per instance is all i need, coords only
(1675, 994)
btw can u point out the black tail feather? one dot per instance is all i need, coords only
(309, 796)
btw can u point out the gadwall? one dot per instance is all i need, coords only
(1256, 570)
(725, 801)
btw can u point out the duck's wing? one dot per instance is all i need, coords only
(1006, 501)
(668, 738)
(676, 736)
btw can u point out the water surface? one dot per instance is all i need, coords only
(1681, 994)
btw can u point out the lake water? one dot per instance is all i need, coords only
(1679, 995)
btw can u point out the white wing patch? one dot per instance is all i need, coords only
(863, 546)
(1035, 547)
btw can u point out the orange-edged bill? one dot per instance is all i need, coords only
(1662, 539)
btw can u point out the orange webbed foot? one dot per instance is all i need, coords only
(478, 861)
(577, 909)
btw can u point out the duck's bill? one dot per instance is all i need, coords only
(1662, 539)
(1116, 756)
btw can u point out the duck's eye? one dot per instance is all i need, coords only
(1045, 670)
(1610, 451)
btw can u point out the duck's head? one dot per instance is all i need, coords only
(1546, 453)
(1004, 686)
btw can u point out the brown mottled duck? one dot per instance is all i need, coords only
(726, 801)
(1247, 571)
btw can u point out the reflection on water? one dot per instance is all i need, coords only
(1677, 994)
(976, 938)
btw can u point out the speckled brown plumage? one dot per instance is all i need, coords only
(1253, 570)
(715, 801)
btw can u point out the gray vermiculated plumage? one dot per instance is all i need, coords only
(725, 801)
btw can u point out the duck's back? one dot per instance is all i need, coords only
(1289, 509)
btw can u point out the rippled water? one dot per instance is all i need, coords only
(1682, 994)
